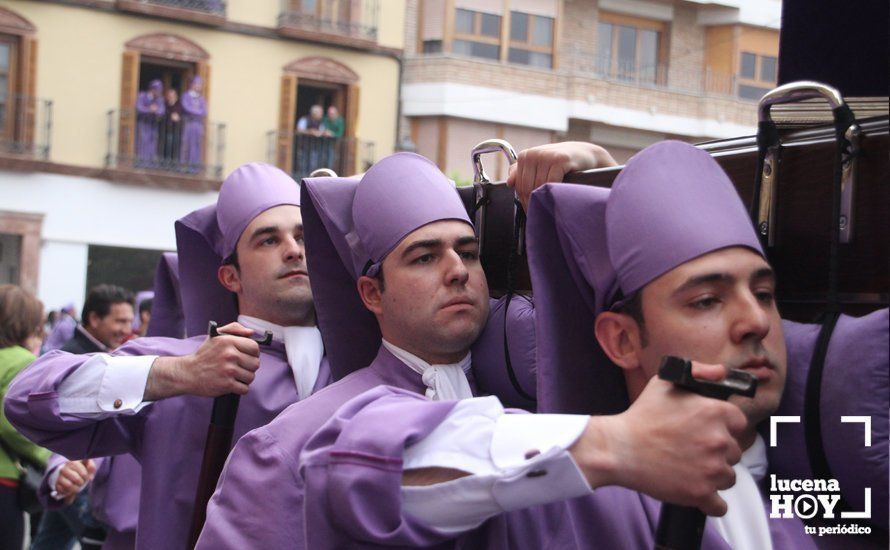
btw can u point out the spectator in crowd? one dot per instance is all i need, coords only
(63, 329)
(149, 113)
(144, 315)
(106, 320)
(21, 316)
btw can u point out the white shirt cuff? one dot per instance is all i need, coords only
(106, 386)
(516, 461)
(52, 480)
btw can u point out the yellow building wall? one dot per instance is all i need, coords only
(79, 69)
(759, 41)
(720, 49)
(264, 13)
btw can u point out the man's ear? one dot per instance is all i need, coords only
(370, 293)
(620, 337)
(229, 278)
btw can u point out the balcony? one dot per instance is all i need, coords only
(26, 127)
(163, 148)
(344, 22)
(696, 82)
(300, 154)
(208, 12)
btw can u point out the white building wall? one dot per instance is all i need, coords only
(63, 274)
(80, 211)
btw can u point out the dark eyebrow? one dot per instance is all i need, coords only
(764, 273)
(466, 240)
(428, 243)
(268, 230)
(710, 278)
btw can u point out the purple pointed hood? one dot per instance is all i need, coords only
(591, 248)
(166, 309)
(209, 235)
(350, 226)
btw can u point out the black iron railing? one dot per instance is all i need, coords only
(26, 125)
(170, 144)
(352, 18)
(215, 7)
(305, 153)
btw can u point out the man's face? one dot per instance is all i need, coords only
(112, 329)
(720, 309)
(435, 297)
(332, 112)
(272, 282)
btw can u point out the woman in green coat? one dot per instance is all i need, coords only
(21, 328)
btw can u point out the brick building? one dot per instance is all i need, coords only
(621, 73)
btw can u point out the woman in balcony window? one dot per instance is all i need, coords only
(194, 111)
(149, 111)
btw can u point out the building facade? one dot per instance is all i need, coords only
(620, 73)
(95, 167)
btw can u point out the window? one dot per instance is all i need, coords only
(531, 40)
(7, 85)
(630, 49)
(477, 34)
(757, 75)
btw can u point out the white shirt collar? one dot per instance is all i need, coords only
(303, 346)
(443, 382)
(745, 524)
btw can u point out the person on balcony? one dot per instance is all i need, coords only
(309, 144)
(171, 137)
(194, 114)
(149, 111)
(335, 126)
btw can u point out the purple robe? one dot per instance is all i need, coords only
(347, 459)
(194, 111)
(166, 437)
(61, 333)
(148, 126)
(573, 279)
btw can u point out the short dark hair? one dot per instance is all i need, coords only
(381, 278)
(21, 316)
(145, 305)
(101, 298)
(634, 308)
(232, 260)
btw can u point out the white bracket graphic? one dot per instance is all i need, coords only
(861, 419)
(773, 420)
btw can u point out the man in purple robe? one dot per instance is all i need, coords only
(240, 259)
(113, 494)
(149, 112)
(194, 115)
(370, 461)
(63, 330)
(665, 263)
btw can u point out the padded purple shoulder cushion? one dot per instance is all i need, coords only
(854, 383)
(490, 362)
